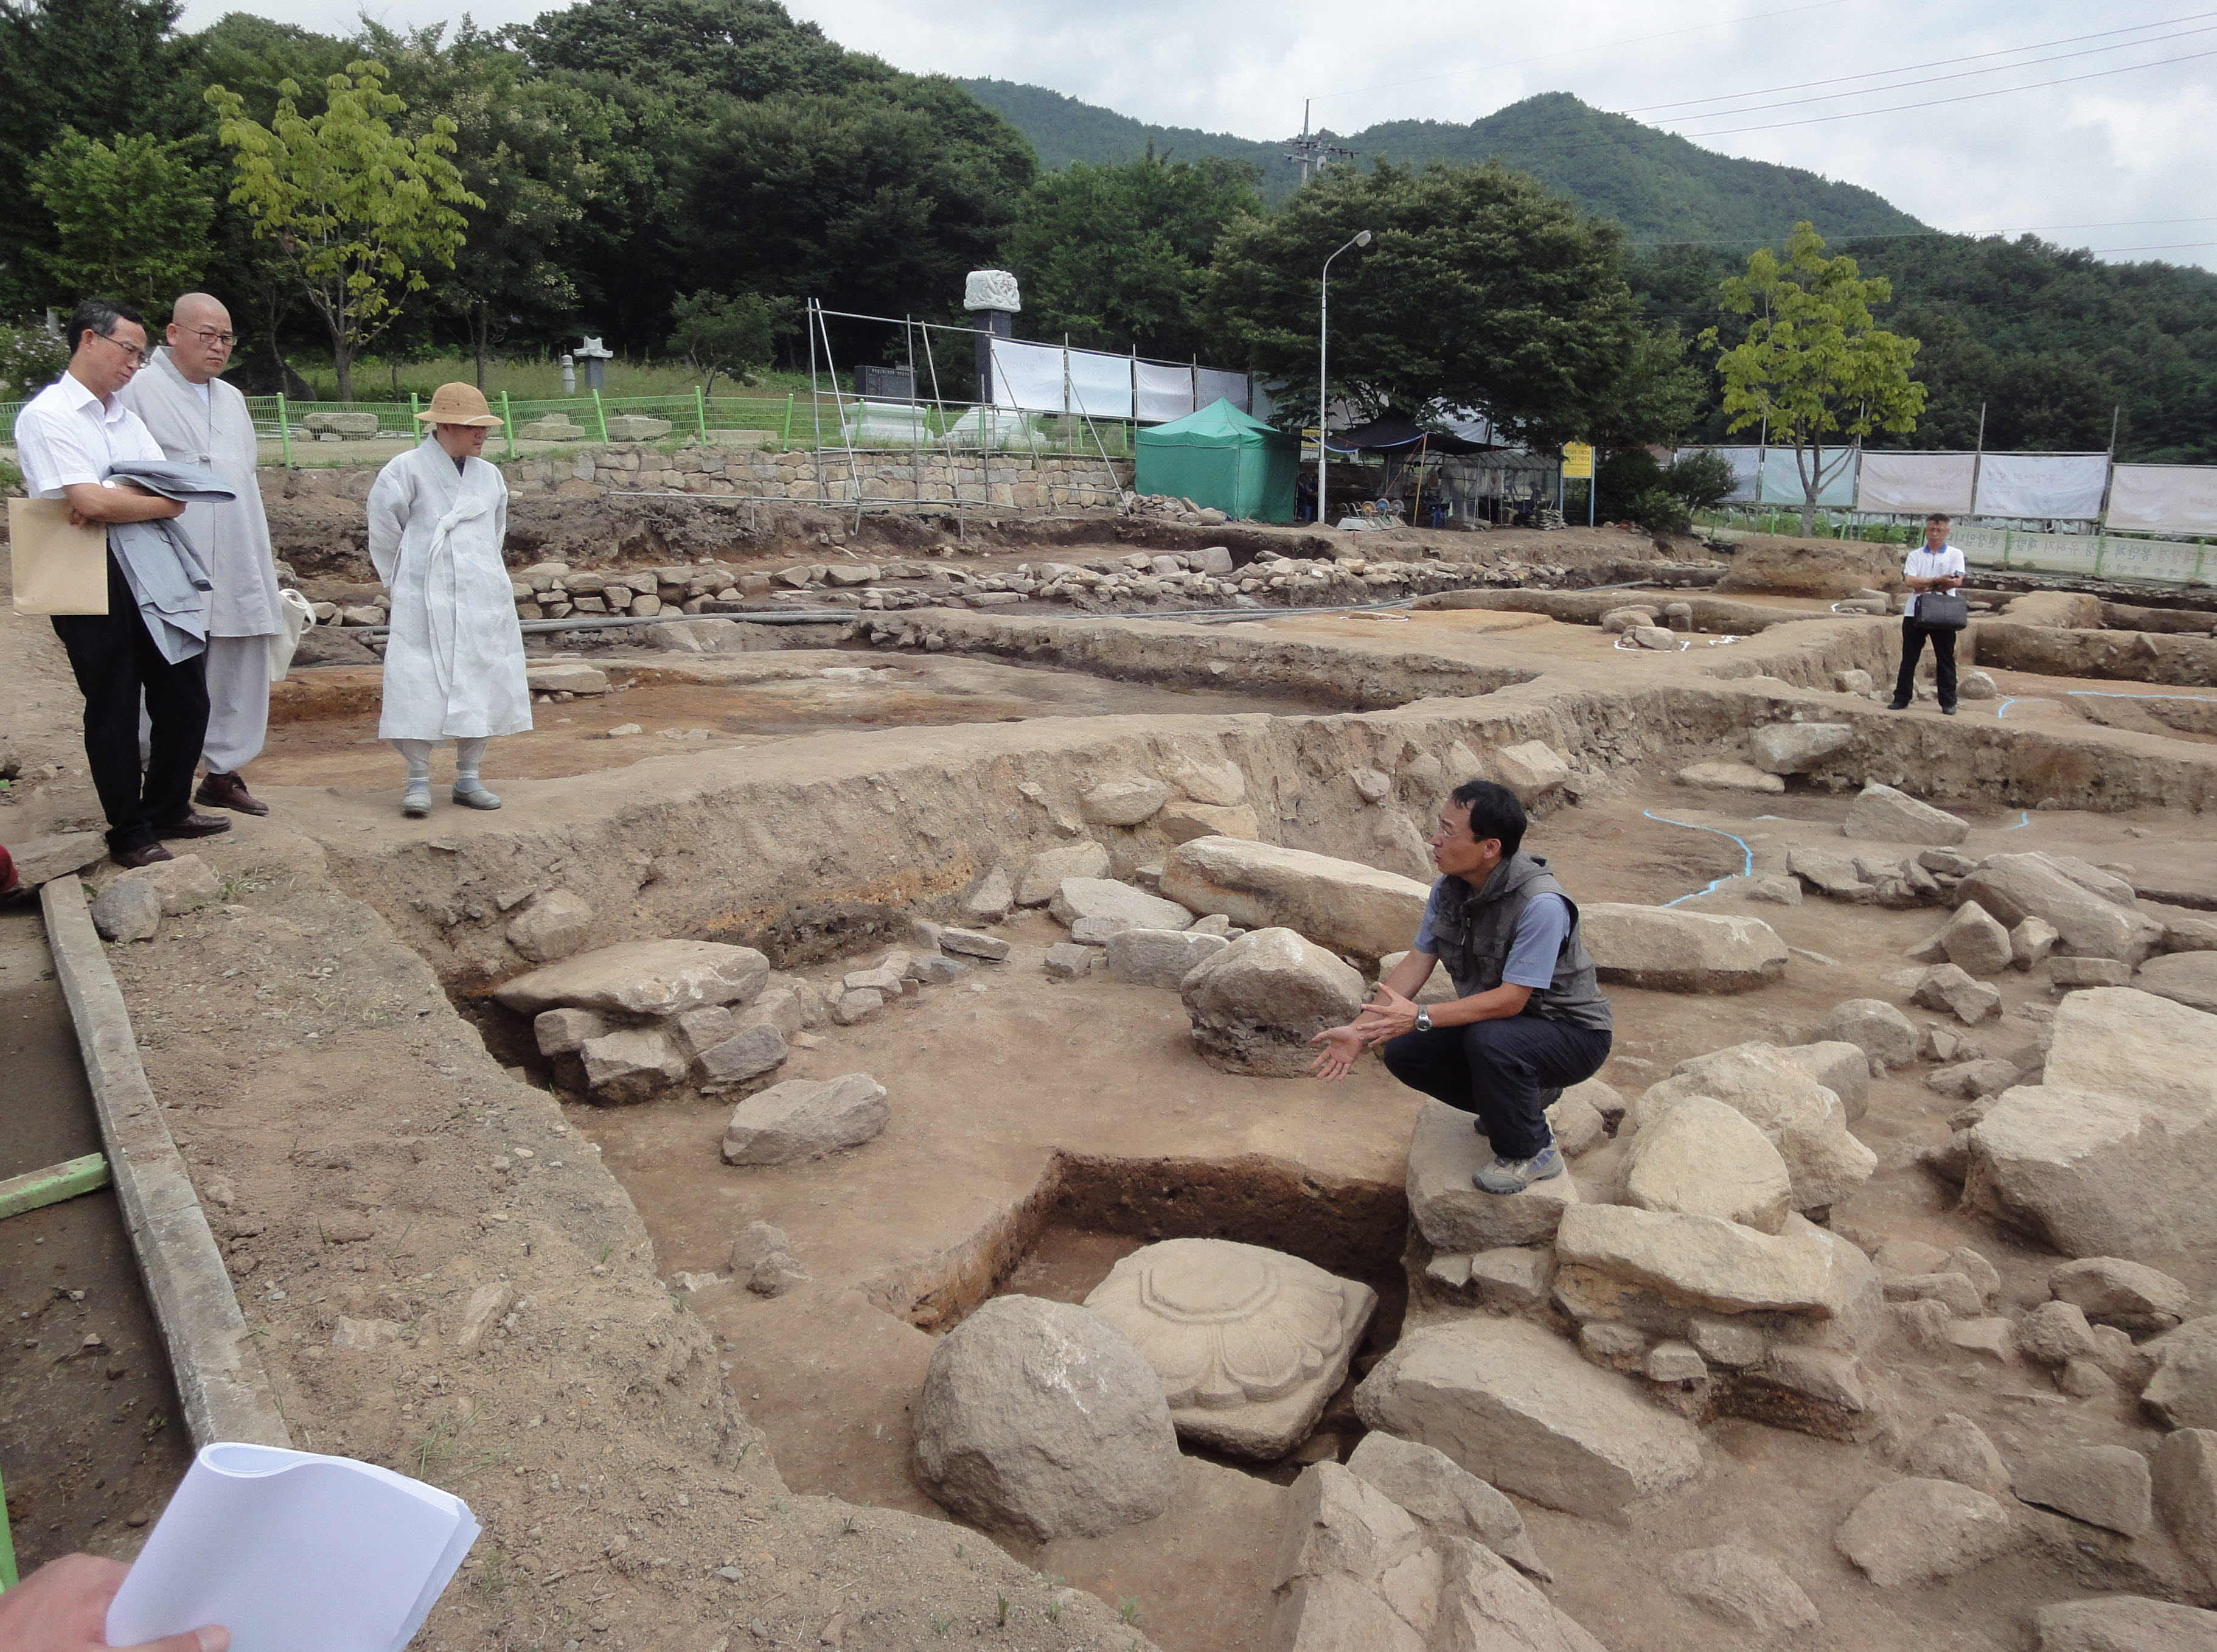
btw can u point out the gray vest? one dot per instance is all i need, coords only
(1476, 929)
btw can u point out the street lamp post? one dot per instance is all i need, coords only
(1323, 392)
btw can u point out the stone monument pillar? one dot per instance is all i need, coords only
(992, 294)
(593, 353)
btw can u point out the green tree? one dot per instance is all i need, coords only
(130, 220)
(1814, 365)
(747, 49)
(31, 358)
(1481, 290)
(356, 208)
(730, 334)
(1116, 256)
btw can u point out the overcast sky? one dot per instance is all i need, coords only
(2115, 161)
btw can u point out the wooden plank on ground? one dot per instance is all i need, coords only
(53, 1185)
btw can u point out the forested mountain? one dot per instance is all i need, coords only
(1654, 183)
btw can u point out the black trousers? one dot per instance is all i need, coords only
(1943, 661)
(116, 663)
(1497, 1069)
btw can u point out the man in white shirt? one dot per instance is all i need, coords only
(66, 439)
(200, 420)
(1934, 565)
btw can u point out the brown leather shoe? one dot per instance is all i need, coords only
(193, 825)
(228, 792)
(144, 854)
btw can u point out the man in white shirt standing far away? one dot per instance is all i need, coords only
(67, 438)
(1934, 565)
(200, 420)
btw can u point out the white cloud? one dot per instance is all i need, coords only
(2113, 154)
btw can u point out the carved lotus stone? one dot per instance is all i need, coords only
(1249, 1343)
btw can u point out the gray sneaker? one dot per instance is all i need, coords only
(1515, 1175)
(476, 797)
(415, 800)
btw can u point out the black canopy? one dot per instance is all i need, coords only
(1398, 433)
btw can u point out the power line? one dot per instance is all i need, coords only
(1588, 50)
(1934, 80)
(1911, 68)
(1961, 98)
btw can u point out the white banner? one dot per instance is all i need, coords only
(1165, 393)
(2066, 486)
(2154, 559)
(2055, 552)
(1782, 478)
(2164, 498)
(1100, 386)
(1029, 377)
(1903, 483)
(1987, 546)
(1746, 468)
(1211, 385)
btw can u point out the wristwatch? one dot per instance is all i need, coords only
(1423, 1018)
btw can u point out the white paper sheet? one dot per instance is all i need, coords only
(1163, 392)
(289, 1551)
(2164, 498)
(1029, 377)
(1909, 482)
(2064, 486)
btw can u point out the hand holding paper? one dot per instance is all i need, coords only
(291, 1550)
(62, 1607)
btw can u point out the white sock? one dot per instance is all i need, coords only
(468, 754)
(417, 754)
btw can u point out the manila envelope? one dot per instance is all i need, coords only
(57, 569)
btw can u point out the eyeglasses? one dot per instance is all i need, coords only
(209, 335)
(139, 357)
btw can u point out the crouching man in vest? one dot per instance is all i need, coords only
(1528, 1020)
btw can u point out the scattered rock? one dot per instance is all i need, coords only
(1955, 1289)
(1338, 904)
(1772, 888)
(659, 978)
(1669, 950)
(2185, 1482)
(1725, 776)
(971, 945)
(1248, 1343)
(1796, 748)
(1913, 1530)
(1955, 1448)
(857, 1004)
(1674, 1362)
(1123, 802)
(1160, 958)
(2107, 1486)
(1255, 1005)
(566, 680)
(1352, 1570)
(1446, 1498)
(1222, 784)
(2109, 1291)
(1841, 1067)
(1038, 1418)
(1874, 1026)
(41, 860)
(1890, 816)
(1519, 1409)
(1949, 986)
(1971, 1080)
(2030, 942)
(2054, 1334)
(1454, 1216)
(185, 883)
(2182, 1393)
(129, 909)
(990, 901)
(1067, 960)
(2069, 975)
(748, 1053)
(1044, 873)
(762, 1260)
(1577, 1124)
(1109, 907)
(563, 1032)
(1994, 1338)
(552, 927)
(1742, 1588)
(631, 1064)
(1807, 1122)
(1701, 1157)
(805, 1118)
(1182, 822)
(2125, 1623)
(1827, 874)
(1532, 769)
(2188, 978)
(1974, 941)
(1705, 1261)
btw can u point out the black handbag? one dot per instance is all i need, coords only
(1943, 610)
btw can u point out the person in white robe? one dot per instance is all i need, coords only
(200, 420)
(454, 657)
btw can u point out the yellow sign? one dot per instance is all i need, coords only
(1577, 461)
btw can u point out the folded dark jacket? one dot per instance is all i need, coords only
(167, 578)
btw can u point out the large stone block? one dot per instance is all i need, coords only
(1806, 1121)
(1707, 1262)
(1879, 1030)
(1890, 816)
(1160, 958)
(1913, 1530)
(2182, 1393)
(631, 1064)
(1519, 1408)
(1255, 1006)
(2125, 1623)
(1673, 950)
(2014, 888)
(1795, 748)
(552, 927)
(1044, 873)
(1445, 1497)
(1703, 1158)
(1454, 1215)
(1038, 1418)
(2188, 978)
(805, 1118)
(2113, 1154)
(659, 978)
(1123, 802)
(1107, 908)
(1249, 1343)
(1338, 904)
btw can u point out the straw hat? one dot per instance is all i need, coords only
(459, 404)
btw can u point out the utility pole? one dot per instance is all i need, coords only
(1313, 151)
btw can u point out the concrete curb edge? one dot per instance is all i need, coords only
(221, 1385)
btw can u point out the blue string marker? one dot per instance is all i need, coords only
(1747, 854)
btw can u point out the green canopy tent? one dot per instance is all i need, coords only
(1221, 457)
